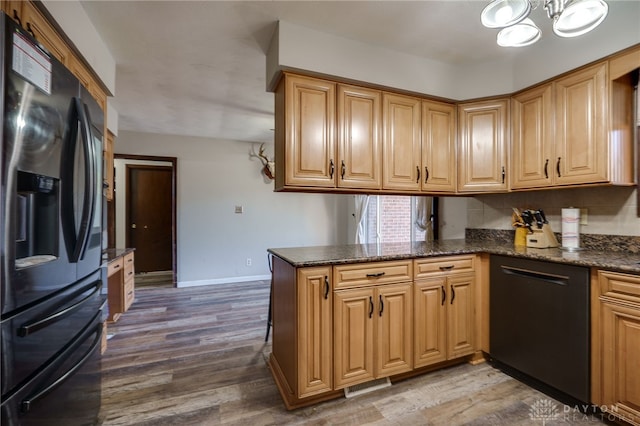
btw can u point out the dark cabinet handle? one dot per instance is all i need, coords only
(558, 167)
(30, 31)
(444, 296)
(343, 169)
(426, 174)
(418, 170)
(546, 167)
(381, 305)
(331, 168)
(370, 307)
(16, 17)
(376, 275)
(326, 287)
(453, 294)
(503, 174)
(447, 268)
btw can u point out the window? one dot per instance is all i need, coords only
(392, 218)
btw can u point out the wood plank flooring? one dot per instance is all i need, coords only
(197, 356)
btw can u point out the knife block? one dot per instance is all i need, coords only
(542, 238)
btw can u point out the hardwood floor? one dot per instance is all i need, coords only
(197, 356)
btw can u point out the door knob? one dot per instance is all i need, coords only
(133, 225)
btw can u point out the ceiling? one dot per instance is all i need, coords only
(198, 68)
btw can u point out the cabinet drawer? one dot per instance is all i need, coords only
(439, 265)
(129, 269)
(129, 293)
(362, 274)
(620, 286)
(114, 266)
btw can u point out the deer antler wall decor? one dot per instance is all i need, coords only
(269, 166)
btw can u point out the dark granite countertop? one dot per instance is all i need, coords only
(109, 255)
(356, 253)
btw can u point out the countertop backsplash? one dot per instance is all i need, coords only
(602, 242)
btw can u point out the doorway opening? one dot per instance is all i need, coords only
(144, 215)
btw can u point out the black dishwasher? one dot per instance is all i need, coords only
(539, 323)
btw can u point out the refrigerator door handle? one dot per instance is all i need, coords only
(33, 326)
(88, 205)
(25, 404)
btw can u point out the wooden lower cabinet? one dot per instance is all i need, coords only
(336, 326)
(616, 345)
(121, 285)
(314, 330)
(445, 325)
(372, 333)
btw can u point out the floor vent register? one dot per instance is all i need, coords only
(367, 387)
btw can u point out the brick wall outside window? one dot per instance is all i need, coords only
(395, 219)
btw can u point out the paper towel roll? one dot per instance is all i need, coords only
(571, 228)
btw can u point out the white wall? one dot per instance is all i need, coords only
(297, 47)
(215, 176)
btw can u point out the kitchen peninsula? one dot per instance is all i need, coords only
(352, 316)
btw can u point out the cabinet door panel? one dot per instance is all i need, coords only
(461, 315)
(401, 142)
(353, 336)
(394, 309)
(438, 147)
(310, 132)
(621, 359)
(34, 22)
(359, 112)
(482, 160)
(430, 322)
(581, 127)
(315, 331)
(533, 157)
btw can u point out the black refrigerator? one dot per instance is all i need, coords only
(51, 214)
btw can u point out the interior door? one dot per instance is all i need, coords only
(149, 222)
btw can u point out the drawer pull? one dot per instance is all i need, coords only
(376, 275)
(116, 266)
(447, 268)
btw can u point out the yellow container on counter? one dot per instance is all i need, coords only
(520, 237)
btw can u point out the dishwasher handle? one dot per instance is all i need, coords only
(543, 276)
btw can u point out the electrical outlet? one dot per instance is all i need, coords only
(239, 209)
(248, 261)
(584, 217)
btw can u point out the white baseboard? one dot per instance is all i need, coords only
(228, 280)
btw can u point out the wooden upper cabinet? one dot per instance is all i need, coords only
(359, 132)
(482, 154)
(109, 141)
(581, 121)
(438, 147)
(37, 25)
(305, 132)
(402, 156)
(532, 138)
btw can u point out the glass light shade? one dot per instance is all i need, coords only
(504, 13)
(580, 17)
(519, 35)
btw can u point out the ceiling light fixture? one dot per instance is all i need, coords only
(571, 18)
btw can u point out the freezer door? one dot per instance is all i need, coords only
(38, 336)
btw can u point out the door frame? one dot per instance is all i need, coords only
(174, 173)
